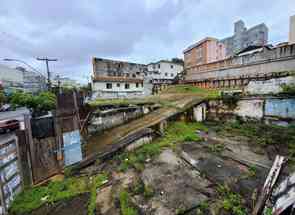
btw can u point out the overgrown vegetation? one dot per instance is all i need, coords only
(139, 188)
(203, 208)
(288, 89)
(230, 201)
(33, 198)
(125, 204)
(175, 133)
(190, 89)
(96, 182)
(45, 101)
(216, 148)
(230, 100)
(159, 99)
(262, 134)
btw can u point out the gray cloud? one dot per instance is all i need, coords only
(141, 31)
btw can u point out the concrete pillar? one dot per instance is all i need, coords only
(199, 112)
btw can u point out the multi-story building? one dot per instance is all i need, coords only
(11, 78)
(292, 30)
(243, 37)
(205, 51)
(163, 72)
(32, 82)
(65, 82)
(117, 79)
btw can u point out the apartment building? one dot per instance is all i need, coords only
(243, 37)
(163, 72)
(205, 51)
(117, 79)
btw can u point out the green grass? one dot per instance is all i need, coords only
(156, 99)
(260, 133)
(176, 132)
(101, 102)
(33, 198)
(96, 182)
(125, 204)
(230, 201)
(208, 93)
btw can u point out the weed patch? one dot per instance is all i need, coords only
(177, 132)
(230, 201)
(34, 198)
(125, 204)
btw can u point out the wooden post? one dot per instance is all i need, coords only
(29, 140)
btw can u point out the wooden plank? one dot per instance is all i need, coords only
(29, 140)
(269, 183)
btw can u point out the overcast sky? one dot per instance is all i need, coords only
(134, 30)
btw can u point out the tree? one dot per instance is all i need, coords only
(45, 101)
(177, 60)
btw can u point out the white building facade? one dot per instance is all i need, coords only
(117, 87)
(163, 72)
(11, 78)
(117, 79)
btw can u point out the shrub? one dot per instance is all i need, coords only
(45, 101)
(288, 89)
(230, 100)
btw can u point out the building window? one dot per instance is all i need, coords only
(133, 75)
(171, 75)
(127, 86)
(159, 66)
(137, 85)
(127, 74)
(109, 86)
(118, 84)
(166, 74)
(171, 66)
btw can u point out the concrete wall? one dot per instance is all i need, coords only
(107, 67)
(272, 86)
(284, 108)
(264, 62)
(116, 117)
(258, 108)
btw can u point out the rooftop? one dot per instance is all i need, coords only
(199, 43)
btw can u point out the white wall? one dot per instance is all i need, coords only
(101, 86)
(165, 70)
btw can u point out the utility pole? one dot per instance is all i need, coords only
(48, 72)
